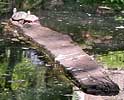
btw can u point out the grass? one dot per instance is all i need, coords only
(113, 59)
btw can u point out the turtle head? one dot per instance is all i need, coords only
(28, 12)
(14, 10)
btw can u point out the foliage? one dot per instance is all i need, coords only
(91, 2)
(29, 79)
(116, 4)
(23, 74)
(31, 4)
(112, 59)
(8, 5)
(4, 6)
(2, 73)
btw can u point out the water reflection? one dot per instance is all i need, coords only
(23, 76)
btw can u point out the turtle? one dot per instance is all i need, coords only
(30, 18)
(18, 16)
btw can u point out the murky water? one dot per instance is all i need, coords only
(23, 76)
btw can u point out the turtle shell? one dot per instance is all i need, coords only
(31, 18)
(19, 16)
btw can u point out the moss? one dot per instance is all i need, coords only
(113, 59)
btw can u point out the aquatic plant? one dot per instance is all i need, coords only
(114, 59)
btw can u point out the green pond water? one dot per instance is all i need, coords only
(23, 76)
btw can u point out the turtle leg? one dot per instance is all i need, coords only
(21, 21)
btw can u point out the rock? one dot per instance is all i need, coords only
(103, 10)
(15, 39)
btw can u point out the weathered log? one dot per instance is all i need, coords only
(84, 71)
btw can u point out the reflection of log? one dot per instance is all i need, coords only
(84, 71)
(9, 71)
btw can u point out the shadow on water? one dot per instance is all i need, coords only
(23, 76)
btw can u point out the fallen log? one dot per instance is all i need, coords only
(89, 76)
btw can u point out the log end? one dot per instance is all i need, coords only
(101, 87)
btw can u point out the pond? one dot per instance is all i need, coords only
(25, 75)
(24, 72)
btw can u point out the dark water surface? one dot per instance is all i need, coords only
(23, 76)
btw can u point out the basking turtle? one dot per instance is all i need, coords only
(18, 16)
(31, 18)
